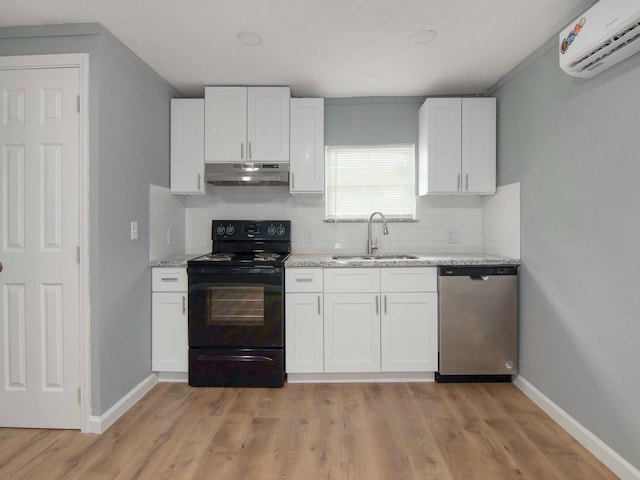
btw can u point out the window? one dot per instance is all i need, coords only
(364, 179)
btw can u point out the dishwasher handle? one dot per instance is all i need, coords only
(479, 277)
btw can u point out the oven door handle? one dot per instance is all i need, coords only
(234, 358)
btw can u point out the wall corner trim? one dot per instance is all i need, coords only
(100, 424)
(612, 460)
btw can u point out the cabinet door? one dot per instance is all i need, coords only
(268, 124)
(409, 332)
(307, 146)
(187, 145)
(304, 333)
(439, 145)
(170, 347)
(352, 332)
(479, 145)
(225, 120)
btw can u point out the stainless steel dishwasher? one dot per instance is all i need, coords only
(478, 323)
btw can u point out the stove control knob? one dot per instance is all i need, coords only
(230, 230)
(271, 230)
(281, 230)
(220, 230)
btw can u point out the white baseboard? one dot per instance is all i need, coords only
(100, 424)
(177, 377)
(359, 377)
(597, 447)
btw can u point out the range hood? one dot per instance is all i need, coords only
(234, 174)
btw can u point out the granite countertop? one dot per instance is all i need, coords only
(420, 260)
(174, 260)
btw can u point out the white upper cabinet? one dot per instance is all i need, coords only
(187, 146)
(457, 146)
(247, 124)
(307, 146)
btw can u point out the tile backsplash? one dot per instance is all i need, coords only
(501, 221)
(440, 221)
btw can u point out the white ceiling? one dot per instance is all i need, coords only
(326, 48)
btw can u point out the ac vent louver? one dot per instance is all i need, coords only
(604, 35)
(607, 48)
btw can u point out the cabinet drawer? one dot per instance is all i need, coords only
(352, 280)
(303, 280)
(412, 279)
(169, 279)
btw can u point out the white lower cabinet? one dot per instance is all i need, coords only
(169, 328)
(361, 320)
(303, 321)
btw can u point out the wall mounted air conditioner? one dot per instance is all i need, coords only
(604, 35)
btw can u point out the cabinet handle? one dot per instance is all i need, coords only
(199, 179)
(377, 307)
(249, 149)
(304, 280)
(169, 279)
(318, 304)
(466, 179)
(241, 150)
(385, 304)
(292, 184)
(459, 185)
(184, 304)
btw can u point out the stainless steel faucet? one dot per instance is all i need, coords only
(371, 244)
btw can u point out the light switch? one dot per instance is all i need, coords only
(134, 230)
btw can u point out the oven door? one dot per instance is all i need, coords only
(236, 307)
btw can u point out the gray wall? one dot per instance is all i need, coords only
(371, 120)
(573, 145)
(128, 150)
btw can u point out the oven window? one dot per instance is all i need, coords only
(238, 306)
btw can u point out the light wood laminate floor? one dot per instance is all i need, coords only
(387, 431)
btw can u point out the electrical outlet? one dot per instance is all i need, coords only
(453, 236)
(308, 235)
(134, 230)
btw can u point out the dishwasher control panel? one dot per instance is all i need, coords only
(462, 271)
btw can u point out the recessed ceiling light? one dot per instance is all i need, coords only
(249, 38)
(422, 37)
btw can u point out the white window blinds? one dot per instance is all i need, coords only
(364, 179)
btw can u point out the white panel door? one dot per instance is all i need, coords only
(351, 332)
(39, 235)
(304, 333)
(479, 145)
(170, 349)
(307, 145)
(409, 332)
(440, 145)
(268, 124)
(187, 145)
(225, 124)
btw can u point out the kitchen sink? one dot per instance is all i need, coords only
(375, 257)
